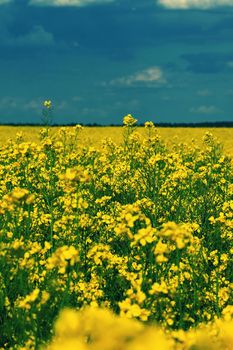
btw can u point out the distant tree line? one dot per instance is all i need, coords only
(222, 124)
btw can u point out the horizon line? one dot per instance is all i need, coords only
(160, 124)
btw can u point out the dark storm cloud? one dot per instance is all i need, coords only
(103, 27)
(208, 63)
(6, 18)
(108, 28)
(16, 31)
(114, 27)
(108, 58)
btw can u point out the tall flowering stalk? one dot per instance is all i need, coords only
(47, 115)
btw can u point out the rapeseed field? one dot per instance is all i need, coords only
(124, 245)
(94, 136)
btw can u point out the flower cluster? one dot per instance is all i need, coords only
(47, 104)
(121, 237)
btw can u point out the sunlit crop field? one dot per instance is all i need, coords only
(94, 136)
(116, 238)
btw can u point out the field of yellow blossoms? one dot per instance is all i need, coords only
(124, 246)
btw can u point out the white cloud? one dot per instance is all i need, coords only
(204, 92)
(33, 104)
(201, 4)
(60, 3)
(76, 98)
(229, 92)
(2, 2)
(206, 110)
(134, 103)
(61, 105)
(37, 37)
(149, 76)
(19, 103)
(8, 102)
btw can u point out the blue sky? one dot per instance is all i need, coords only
(98, 60)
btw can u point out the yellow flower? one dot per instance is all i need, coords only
(161, 248)
(75, 174)
(161, 259)
(159, 288)
(44, 297)
(144, 236)
(19, 193)
(128, 120)
(29, 299)
(133, 310)
(47, 104)
(149, 124)
(61, 257)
